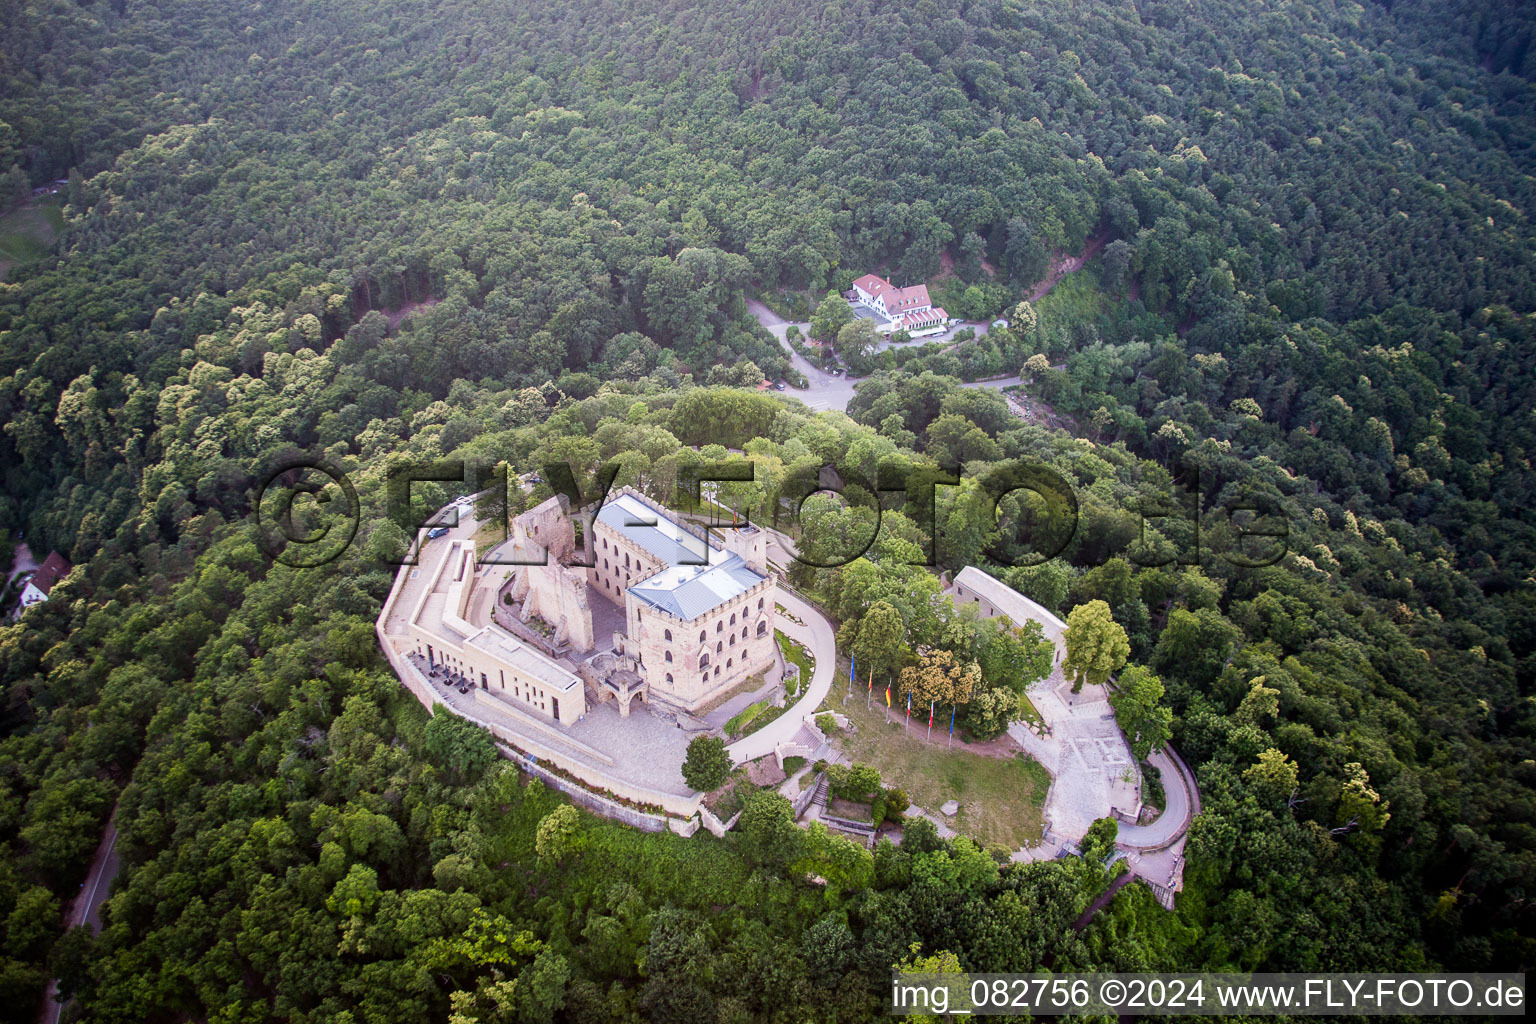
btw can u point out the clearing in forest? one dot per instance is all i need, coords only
(27, 232)
(1001, 790)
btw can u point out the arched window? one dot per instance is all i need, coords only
(704, 662)
(669, 656)
(733, 639)
(743, 631)
(666, 634)
(759, 604)
(669, 677)
(701, 636)
(717, 671)
(733, 618)
(719, 626)
(626, 559)
(762, 628)
(729, 662)
(719, 647)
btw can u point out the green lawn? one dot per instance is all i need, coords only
(1076, 297)
(27, 232)
(1001, 798)
(752, 718)
(1031, 713)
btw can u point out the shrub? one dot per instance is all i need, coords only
(896, 803)
(1152, 786)
(558, 834)
(863, 780)
(745, 717)
(837, 778)
(826, 723)
(793, 764)
(707, 764)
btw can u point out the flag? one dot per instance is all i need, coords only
(909, 705)
(951, 719)
(871, 680)
(887, 696)
(930, 714)
(851, 676)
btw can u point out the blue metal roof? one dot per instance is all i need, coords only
(653, 530)
(691, 591)
(686, 588)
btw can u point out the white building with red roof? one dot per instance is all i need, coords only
(54, 568)
(903, 309)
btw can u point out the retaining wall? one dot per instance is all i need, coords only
(592, 781)
(595, 802)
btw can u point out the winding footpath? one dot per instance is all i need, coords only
(1182, 805)
(817, 636)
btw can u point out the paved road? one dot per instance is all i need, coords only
(998, 384)
(828, 391)
(98, 884)
(821, 641)
(86, 908)
(23, 560)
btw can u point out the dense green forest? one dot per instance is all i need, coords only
(1316, 287)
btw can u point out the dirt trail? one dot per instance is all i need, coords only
(1061, 266)
(397, 316)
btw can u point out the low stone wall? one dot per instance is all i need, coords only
(806, 795)
(717, 828)
(595, 802)
(862, 828)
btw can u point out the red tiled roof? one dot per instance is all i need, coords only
(54, 568)
(927, 316)
(897, 300)
(872, 284)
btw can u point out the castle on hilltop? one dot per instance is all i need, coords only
(697, 605)
(619, 601)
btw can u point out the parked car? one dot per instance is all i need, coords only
(436, 532)
(780, 385)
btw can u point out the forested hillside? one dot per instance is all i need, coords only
(526, 231)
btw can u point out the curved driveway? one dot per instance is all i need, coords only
(818, 638)
(1174, 820)
(827, 391)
